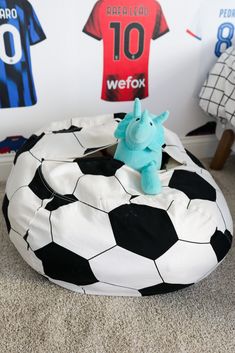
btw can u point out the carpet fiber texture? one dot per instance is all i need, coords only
(37, 316)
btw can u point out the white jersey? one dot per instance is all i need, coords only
(214, 26)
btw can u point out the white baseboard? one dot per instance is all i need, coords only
(200, 146)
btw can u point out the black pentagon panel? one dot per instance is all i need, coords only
(119, 116)
(144, 230)
(134, 197)
(5, 206)
(58, 202)
(105, 166)
(195, 160)
(67, 131)
(163, 288)
(40, 187)
(192, 185)
(221, 243)
(165, 160)
(94, 149)
(28, 145)
(63, 265)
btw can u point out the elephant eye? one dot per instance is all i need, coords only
(151, 124)
(137, 119)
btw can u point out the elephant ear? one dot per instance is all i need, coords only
(120, 131)
(160, 119)
(158, 139)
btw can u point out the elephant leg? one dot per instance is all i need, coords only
(150, 181)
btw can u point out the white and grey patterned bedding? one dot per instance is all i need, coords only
(217, 96)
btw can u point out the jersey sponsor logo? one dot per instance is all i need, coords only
(129, 83)
(7, 14)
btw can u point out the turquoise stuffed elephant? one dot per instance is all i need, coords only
(141, 136)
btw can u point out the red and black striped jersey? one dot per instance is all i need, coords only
(126, 27)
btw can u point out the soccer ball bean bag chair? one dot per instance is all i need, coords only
(83, 221)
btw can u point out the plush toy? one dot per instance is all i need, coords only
(140, 147)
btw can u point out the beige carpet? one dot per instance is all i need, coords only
(37, 316)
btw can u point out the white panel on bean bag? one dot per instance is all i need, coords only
(58, 147)
(97, 136)
(82, 229)
(39, 234)
(61, 176)
(105, 193)
(125, 268)
(22, 208)
(197, 222)
(163, 200)
(186, 262)
(27, 163)
(108, 289)
(26, 253)
(130, 180)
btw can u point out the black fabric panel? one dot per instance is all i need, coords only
(66, 131)
(192, 185)
(95, 149)
(144, 230)
(163, 288)
(105, 166)
(64, 265)
(165, 160)
(28, 145)
(221, 243)
(206, 129)
(39, 186)
(5, 206)
(120, 116)
(58, 202)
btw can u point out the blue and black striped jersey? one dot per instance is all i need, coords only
(19, 29)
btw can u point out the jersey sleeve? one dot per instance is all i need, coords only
(194, 28)
(36, 33)
(161, 26)
(93, 25)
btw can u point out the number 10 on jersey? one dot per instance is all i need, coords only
(126, 33)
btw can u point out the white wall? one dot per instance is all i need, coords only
(67, 70)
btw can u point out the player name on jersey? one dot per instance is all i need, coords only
(132, 11)
(227, 13)
(7, 14)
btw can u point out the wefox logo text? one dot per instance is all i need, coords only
(129, 83)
